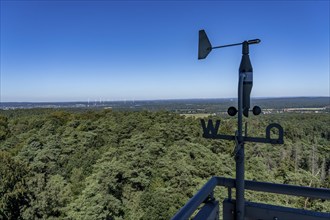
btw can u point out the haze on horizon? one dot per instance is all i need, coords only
(143, 50)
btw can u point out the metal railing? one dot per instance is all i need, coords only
(207, 192)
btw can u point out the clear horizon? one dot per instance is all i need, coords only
(141, 100)
(58, 51)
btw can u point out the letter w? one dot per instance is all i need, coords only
(210, 129)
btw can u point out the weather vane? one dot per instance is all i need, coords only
(244, 90)
(238, 208)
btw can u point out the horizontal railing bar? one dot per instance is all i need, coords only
(187, 210)
(317, 193)
(285, 189)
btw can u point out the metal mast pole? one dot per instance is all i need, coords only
(244, 89)
(239, 157)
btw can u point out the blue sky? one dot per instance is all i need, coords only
(133, 50)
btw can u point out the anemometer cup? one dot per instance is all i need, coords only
(232, 111)
(256, 110)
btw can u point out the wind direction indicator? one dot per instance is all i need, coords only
(244, 90)
(239, 209)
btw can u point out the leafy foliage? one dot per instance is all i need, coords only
(143, 165)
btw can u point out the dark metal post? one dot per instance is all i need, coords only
(244, 90)
(239, 157)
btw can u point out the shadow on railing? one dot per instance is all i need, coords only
(210, 211)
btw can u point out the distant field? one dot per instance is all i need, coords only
(188, 107)
(197, 115)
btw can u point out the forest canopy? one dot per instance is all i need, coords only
(61, 164)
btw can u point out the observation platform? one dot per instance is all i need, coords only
(253, 211)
